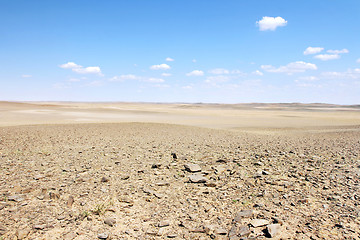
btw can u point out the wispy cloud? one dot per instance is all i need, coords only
(313, 50)
(166, 74)
(195, 73)
(169, 59)
(26, 76)
(327, 57)
(80, 69)
(154, 80)
(124, 77)
(338, 51)
(271, 23)
(163, 66)
(218, 71)
(258, 73)
(293, 67)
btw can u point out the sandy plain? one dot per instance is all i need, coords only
(183, 171)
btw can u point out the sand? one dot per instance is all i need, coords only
(123, 171)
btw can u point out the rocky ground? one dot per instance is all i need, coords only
(158, 181)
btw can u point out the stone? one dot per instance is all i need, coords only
(273, 229)
(105, 179)
(210, 184)
(192, 167)
(70, 201)
(54, 195)
(237, 232)
(21, 234)
(164, 223)
(242, 214)
(110, 221)
(156, 165)
(70, 236)
(172, 235)
(40, 227)
(162, 184)
(259, 222)
(15, 198)
(220, 231)
(103, 236)
(174, 155)
(197, 178)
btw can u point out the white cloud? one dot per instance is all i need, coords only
(188, 87)
(169, 59)
(218, 71)
(271, 23)
(70, 65)
(237, 72)
(326, 57)
(338, 51)
(163, 66)
(74, 80)
(154, 80)
(313, 50)
(294, 67)
(124, 77)
(358, 61)
(349, 74)
(80, 69)
(88, 70)
(95, 84)
(217, 79)
(257, 72)
(26, 76)
(309, 78)
(166, 74)
(195, 73)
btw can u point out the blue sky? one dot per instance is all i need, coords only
(180, 51)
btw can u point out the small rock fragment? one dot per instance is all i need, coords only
(105, 179)
(21, 234)
(242, 214)
(156, 165)
(40, 227)
(164, 223)
(259, 222)
(273, 229)
(70, 201)
(15, 198)
(192, 167)
(103, 236)
(197, 178)
(110, 221)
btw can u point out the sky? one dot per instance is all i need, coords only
(208, 51)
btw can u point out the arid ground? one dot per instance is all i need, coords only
(182, 171)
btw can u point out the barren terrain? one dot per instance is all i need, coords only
(182, 171)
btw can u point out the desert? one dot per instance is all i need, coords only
(73, 170)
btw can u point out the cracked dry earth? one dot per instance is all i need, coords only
(158, 181)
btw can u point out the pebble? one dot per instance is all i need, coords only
(192, 167)
(21, 234)
(105, 179)
(40, 227)
(197, 178)
(110, 221)
(273, 229)
(15, 198)
(103, 236)
(242, 214)
(70, 201)
(259, 222)
(164, 223)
